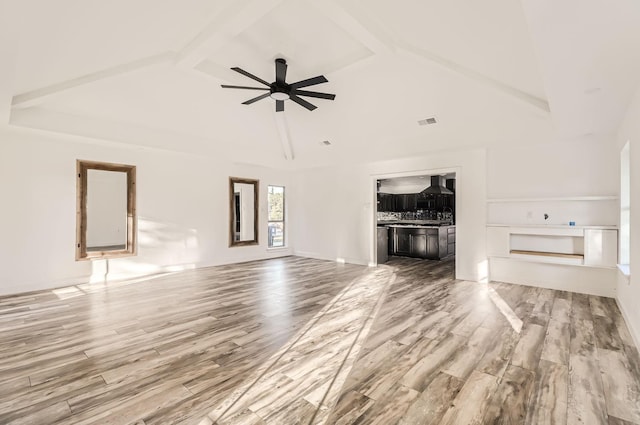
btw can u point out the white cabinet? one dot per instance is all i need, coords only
(600, 247)
(583, 246)
(567, 258)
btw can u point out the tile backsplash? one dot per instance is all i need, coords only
(414, 215)
(388, 216)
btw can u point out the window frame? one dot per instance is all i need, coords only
(625, 209)
(283, 221)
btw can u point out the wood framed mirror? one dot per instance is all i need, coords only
(243, 211)
(105, 210)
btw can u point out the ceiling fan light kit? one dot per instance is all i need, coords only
(280, 91)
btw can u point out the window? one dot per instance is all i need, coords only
(625, 204)
(275, 200)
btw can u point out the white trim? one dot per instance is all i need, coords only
(635, 333)
(625, 269)
(555, 199)
(278, 248)
(37, 96)
(373, 252)
(553, 226)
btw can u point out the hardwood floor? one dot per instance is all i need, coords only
(295, 340)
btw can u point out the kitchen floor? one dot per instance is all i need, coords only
(296, 340)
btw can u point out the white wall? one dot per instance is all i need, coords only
(335, 208)
(563, 170)
(628, 290)
(576, 168)
(532, 181)
(182, 204)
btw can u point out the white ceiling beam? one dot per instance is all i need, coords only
(214, 70)
(34, 97)
(378, 40)
(114, 133)
(237, 17)
(285, 135)
(365, 32)
(529, 99)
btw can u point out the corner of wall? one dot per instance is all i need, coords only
(627, 312)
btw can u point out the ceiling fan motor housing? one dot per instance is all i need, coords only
(280, 91)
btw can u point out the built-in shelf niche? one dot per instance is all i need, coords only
(573, 258)
(548, 254)
(589, 246)
(566, 247)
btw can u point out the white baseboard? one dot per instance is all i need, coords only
(635, 333)
(634, 330)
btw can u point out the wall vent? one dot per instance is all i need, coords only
(428, 121)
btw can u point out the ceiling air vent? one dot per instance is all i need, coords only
(428, 121)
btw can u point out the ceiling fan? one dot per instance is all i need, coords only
(280, 91)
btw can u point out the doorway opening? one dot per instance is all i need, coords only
(416, 217)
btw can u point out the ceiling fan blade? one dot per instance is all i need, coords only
(250, 75)
(225, 86)
(310, 82)
(302, 102)
(315, 94)
(281, 70)
(279, 105)
(255, 99)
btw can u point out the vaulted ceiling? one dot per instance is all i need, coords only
(148, 72)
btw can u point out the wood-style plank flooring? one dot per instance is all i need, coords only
(295, 340)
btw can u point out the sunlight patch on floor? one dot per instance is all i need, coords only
(304, 378)
(506, 311)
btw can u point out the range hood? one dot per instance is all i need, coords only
(437, 187)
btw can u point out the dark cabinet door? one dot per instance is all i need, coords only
(419, 245)
(432, 245)
(403, 242)
(386, 202)
(443, 243)
(422, 201)
(412, 200)
(451, 241)
(389, 202)
(406, 202)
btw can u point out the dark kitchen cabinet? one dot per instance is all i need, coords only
(422, 201)
(402, 242)
(451, 240)
(386, 202)
(433, 243)
(419, 244)
(433, 250)
(430, 201)
(406, 202)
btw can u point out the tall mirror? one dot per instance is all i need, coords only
(106, 221)
(243, 212)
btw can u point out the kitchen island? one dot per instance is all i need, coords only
(421, 240)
